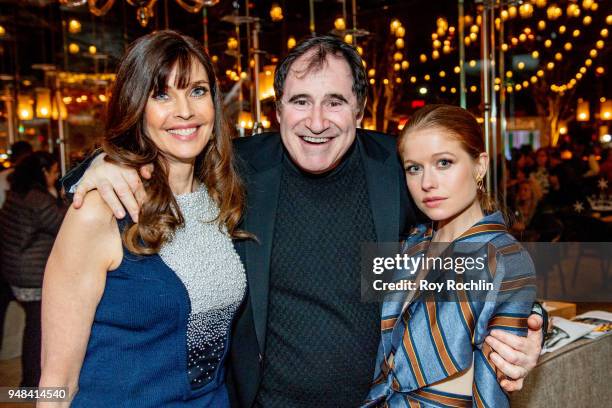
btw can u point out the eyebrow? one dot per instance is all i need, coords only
(191, 84)
(433, 155)
(337, 96)
(198, 82)
(327, 96)
(443, 153)
(298, 96)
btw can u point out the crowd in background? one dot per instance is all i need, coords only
(548, 190)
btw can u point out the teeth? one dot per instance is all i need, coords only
(182, 132)
(315, 139)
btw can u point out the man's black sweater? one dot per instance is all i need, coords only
(321, 339)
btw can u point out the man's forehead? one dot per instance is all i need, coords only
(306, 68)
(311, 63)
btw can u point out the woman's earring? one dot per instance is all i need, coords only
(480, 184)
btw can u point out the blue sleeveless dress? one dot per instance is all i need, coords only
(160, 334)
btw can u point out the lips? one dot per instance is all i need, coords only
(184, 133)
(432, 202)
(315, 140)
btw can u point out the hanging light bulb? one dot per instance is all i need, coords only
(395, 24)
(553, 12)
(74, 26)
(143, 14)
(540, 3)
(232, 43)
(43, 103)
(24, 107)
(583, 111)
(573, 10)
(512, 11)
(526, 10)
(276, 12)
(291, 42)
(340, 24)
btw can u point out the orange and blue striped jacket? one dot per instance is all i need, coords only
(429, 338)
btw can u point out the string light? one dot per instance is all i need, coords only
(340, 24)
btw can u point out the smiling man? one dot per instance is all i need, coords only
(315, 193)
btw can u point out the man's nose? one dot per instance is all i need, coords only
(317, 122)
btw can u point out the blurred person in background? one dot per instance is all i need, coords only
(605, 170)
(525, 207)
(593, 153)
(29, 221)
(18, 150)
(540, 174)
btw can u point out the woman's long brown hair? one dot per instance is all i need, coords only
(144, 70)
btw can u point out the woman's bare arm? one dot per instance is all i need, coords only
(87, 247)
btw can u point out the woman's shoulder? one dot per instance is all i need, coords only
(512, 255)
(93, 214)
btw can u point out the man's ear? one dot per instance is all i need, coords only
(278, 108)
(361, 113)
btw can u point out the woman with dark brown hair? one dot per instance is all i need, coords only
(139, 314)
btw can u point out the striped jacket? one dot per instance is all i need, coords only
(426, 337)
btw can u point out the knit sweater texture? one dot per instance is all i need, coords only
(321, 339)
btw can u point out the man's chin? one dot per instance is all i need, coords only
(316, 167)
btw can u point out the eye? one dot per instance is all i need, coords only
(300, 102)
(413, 169)
(199, 91)
(335, 103)
(445, 163)
(160, 96)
